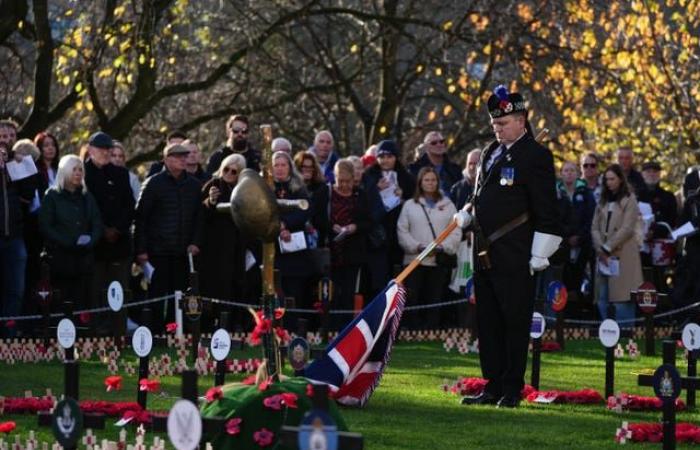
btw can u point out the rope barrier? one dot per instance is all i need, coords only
(343, 311)
(90, 311)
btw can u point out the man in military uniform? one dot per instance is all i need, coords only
(515, 220)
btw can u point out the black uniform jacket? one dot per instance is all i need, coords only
(521, 180)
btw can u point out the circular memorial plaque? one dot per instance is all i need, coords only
(220, 344)
(142, 341)
(67, 422)
(317, 431)
(115, 296)
(298, 353)
(65, 332)
(537, 326)
(691, 336)
(184, 425)
(557, 295)
(667, 383)
(609, 333)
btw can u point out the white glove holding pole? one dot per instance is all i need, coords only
(463, 219)
(543, 246)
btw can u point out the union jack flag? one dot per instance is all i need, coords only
(354, 362)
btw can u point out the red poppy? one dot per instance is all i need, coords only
(233, 426)
(265, 384)
(274, 402)
(309, 390)
(264, 437)
(8, 427)
(279, 313)
(171, 327)
(10, 324)
(249, 381)
(113, 383)
(214, 394)
(149, 385)
(84, 317)
(289, 399)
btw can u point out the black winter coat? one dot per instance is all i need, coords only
(12, 194)
(450, 173)
(251, 155)
(168, 215)
(111, 188)
(378, 214)
(222, 261)
(533, 190)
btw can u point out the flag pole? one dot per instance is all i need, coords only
(446, 232)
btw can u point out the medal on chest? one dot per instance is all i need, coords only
(507, 176)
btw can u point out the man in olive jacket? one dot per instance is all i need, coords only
(168, 225)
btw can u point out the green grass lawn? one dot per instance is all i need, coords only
(409, 410)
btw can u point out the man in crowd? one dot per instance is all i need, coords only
(435, 155)
(625, 158)
(325, 155)
(168, 225)
(590, 174)
(462, 190)
(237, 132)
(13, 254)
(516, 225)
(174, 137)
(193, 164)
(8, 132)
(663, 205)
(281, 144)
(110, 186)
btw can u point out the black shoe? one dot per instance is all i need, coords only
(508, 401)
(482, 399)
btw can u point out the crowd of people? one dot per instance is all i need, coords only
(92, 221)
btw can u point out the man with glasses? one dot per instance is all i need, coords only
(590, 174)
(237, 132)
(516, 224)
(435, 155)
(168, 225)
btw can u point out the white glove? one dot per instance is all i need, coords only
(463, 219)
(84, 239)
(543, 246)
(538, 264)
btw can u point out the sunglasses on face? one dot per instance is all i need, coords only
(439, 141)
(230, 170)
(239, 130)
(589, 166)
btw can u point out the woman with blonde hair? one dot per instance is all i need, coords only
(70, 221)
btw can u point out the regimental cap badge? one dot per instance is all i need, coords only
(501, 103)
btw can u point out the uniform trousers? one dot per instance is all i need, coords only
(504, 306)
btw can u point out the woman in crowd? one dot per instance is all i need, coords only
(422, 218)
(47, 165)
(615, 241)
(350, 222)
(223, 255)
(358, 167)
(70, 221)
(293, 265)
(387, 184)
(315, 183)
(118, 158)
